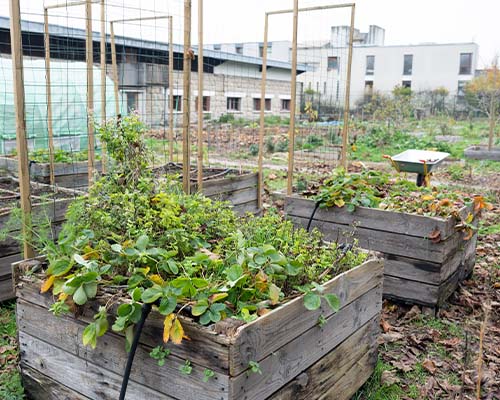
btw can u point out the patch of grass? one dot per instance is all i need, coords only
(10, 380)
(373, 388)
(446, 328)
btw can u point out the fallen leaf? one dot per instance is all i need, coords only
(386, 326)
(389, 378)
(429, 365)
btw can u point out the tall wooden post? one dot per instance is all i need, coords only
(171, 88)
(345, 128)
(260, 185)
(48, 94)
(115, 67)
(103, 81)
(200, 96)
(90, 90)
(293, 102)
(21, 140)
(186, 145)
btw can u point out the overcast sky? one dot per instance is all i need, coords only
(405, 21)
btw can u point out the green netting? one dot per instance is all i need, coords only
(69, 103)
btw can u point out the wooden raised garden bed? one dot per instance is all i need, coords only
(54, 208)
(72, 175)
(482, 153)
(298, 358)
(416, 268)
(240, 188)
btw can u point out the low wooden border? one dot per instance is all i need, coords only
(482, 153)
(299, 358)
(417, 270)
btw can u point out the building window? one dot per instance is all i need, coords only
(461, 88)
(324, 87)
(234, 103)
(406, 84)
(465, 63)
(269, 48)
(338, 91)
(370, 65)
(333, 63)
(408, 64)
(368, 89)
(239, 49)
(217, 47)
(177, 102)
(261, 50)
(206, 104)
(132, 101)
(256, 105)
(285, 105)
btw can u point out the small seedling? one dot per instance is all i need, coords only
(255, 367)
(207, 374)
(159, 353)
(186, 369)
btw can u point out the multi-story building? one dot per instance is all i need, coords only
(375, 66)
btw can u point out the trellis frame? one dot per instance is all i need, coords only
(90, 80)
(116, 82)
(293, 102)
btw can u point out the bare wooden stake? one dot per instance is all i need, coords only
(21, 140)
(188, 56)
(345, 128)
(200, 96)
(293, 102)
(103, 80)
(171, 88)
(260, 184)
(90, 90)
(48, 93)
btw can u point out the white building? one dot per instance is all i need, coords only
(375, 66)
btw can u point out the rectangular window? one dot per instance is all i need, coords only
(324, 87)
(465, 64)
(217, 47)
(338, 91)
(406, 84)
(461, 88)
(333, 63)
(256, 105)
(239, 49)
(234, 103)
(177, 102)
(408, 64)
(285, 105)
(370, 65)
(206, 104)
(132, 101)
(261, 50)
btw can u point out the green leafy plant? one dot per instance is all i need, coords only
(207, 374)
(254, 367)
(160, 353)
(186, 368)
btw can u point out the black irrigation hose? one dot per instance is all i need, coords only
(145, 310)
(316, 206)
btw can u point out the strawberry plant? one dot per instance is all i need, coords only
(146, 242)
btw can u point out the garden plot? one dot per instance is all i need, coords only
(482, 153)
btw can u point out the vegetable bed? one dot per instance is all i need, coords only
(294, 356)
(69, 173)
(482, 153)
(45, 203)
(240, 188)
(428, 239)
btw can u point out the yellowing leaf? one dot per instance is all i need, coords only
(47, 284)
(157, 279)
(167, 325)
(176, 332)
(427, 197)
(339, 203)
(62, 296)
(274, 294)
(469, 218)
(217, 297)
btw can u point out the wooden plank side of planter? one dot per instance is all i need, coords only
(418, 292)
(41, 387)
(261, 338)
(66, 334)
(372, 218)
(386, 242)
(229, 184)
(80, 375)
(283, 365)
(250, 207)
(421, 271)
(469, 258)
(482, 153)
(329, 370)
(204, 348)
(237, 197)
(6, 289)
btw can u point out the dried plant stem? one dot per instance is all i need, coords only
(480, 352)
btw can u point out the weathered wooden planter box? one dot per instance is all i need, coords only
(482, 153)
(10, 250)
(416, 269)
(72, 175)
(240, 188)
(299, 358)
